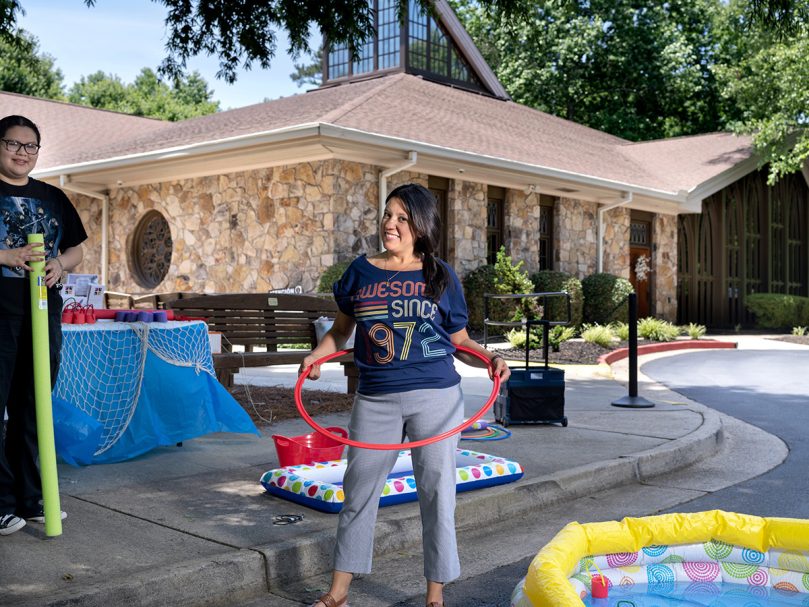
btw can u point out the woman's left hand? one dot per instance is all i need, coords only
(500, 369)
(53, 272)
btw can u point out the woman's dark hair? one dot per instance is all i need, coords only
(422, 209)
(14, 120)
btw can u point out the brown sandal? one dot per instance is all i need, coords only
(329, 601)
(434, 604)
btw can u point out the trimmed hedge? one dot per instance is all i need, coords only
(477, 282)
(550, 281)
(778, 310)
(606, 298)
(331, 275)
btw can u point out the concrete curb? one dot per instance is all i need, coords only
(700, 444)
(221, 580)
(689, 344)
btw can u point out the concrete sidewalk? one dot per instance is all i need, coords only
(191, 525)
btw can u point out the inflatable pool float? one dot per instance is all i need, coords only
(320, 485)
(672, 559)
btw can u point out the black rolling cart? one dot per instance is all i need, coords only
(532, 395)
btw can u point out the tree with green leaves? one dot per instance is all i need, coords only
(310, 73)
(765, 73)
(24, 70)
(146, 96)
(242, 34)
(639, 70)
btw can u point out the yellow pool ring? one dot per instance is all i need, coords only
(546, 583)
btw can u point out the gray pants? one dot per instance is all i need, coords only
(386, 418)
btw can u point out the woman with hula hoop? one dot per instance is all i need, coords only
(410, 315)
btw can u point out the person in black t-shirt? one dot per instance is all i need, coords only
(27, 206)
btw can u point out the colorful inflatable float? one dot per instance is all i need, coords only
(703, 558)
(320, 485)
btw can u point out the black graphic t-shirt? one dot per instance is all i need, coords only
(34, 208)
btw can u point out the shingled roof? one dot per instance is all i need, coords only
(69, 130)
(406, 108)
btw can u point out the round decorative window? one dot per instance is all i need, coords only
(151, 249)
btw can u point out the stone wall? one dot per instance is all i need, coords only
(467, 229)
(575, 236)
(522, 229)
(616, 242)
(664, 267)
(257, 230)
(281, 227)
(89, 210)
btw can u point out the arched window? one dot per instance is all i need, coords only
(151, 250)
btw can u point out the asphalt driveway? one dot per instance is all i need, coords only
(766, 388)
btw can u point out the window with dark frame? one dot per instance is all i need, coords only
(495, 212)
(388, 35)
(639, 233)
(431, 52)
(546, 204)
(429, 49)
(151, 250)
(439, 186)
(339, 63)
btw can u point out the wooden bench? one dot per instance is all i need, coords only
(263, 320)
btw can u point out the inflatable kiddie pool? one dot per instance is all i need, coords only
(320, 485)
(704, 558)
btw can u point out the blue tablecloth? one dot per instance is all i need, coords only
(147, 385)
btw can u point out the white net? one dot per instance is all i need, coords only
(103, 365)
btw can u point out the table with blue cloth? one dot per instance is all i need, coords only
(126, 388)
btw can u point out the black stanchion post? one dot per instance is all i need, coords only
(632, 399)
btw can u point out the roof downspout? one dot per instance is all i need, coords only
(626, 198)
(412, 158)
(64, 183)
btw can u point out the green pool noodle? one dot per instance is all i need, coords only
(42, 393)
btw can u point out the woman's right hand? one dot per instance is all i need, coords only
(310, 360)
(20, 258)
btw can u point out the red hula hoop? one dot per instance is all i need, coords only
(391, 446)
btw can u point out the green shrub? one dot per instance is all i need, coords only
(475, 284)
(605, 299)
(695, 331)
(331, 275)
(597, 334)
(510, 280)
(800, 331)
(620, 330)
(516, 337)
(550, 281)
(558, 334)
(656, 329)
(777, 310)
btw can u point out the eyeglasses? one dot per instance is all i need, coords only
(32, 149)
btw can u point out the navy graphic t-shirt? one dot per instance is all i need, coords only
(34, 208)
(403, 337)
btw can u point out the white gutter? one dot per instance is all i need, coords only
(192, 149)
(64, 183)
(626, 198)
(461, 156)
(412, 158)
(356, 136)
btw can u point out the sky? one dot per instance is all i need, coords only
(121, 37)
